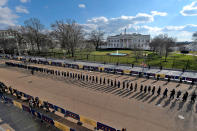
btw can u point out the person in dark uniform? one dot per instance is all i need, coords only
(141, 88)
(131, 86)
(135, 87)
(168, 78)
(145, 89)
(165, 93)
(115, 83)
(104, 81)
(86, 77)
(149, 89)
(111, 82)
(184, 99)
(108, 81)
(68, 74)
(172, 94)
(100, 80)
(118, 84)
(178, 94)
(123, 85)
(96, 79)
(90, 78)
(193, 97)
(180, 80)
(83, 76)
(153, 90)
(159, 91)
(32, 71)
(158, 77)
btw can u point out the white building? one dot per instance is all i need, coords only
(128, 41)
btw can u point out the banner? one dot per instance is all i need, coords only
(80, 66)
(104, 127)
(72, 115)
(126, 71)
(17, 104)
(61, 126)
(88, 121)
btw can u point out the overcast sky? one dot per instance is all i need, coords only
(177, 18)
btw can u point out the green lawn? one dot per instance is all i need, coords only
(174, 60)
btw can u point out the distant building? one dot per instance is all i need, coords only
(128, 41)
(6, 34)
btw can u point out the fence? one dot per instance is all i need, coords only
(172, 62)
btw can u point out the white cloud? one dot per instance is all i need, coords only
(24, 1)
(82, 6)
(190, 10)
(3, 2)
(21, 9)
(154, 13)
(7, 17)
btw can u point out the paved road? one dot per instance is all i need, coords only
(118, 108)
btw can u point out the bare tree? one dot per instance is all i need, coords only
(96, 37)
(69, 34)
(34, 30)
(18, 36)
(162, 44)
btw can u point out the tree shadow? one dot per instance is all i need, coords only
(154, 98)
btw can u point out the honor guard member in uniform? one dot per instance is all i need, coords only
(96, 79)
(115, 83)
(185, 96)
(123, 85)
(145, 89)
(111, 82)
(100, 80)
(93, 79)
(193, 97)
(181, 80)
(178, 94)
(104, 81)
(71, 75)
(131, 86)
(32, 71)
(172, 94)
(149, 89)
(141, 88)
(118, 84)
(158, 76)
(159, 91)
(86, 77)
(135, 87)
(68, 74)
(165, 93)
(82, 76)
(90, 78)
(153, 90)
(108, 81)
(168, 78)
